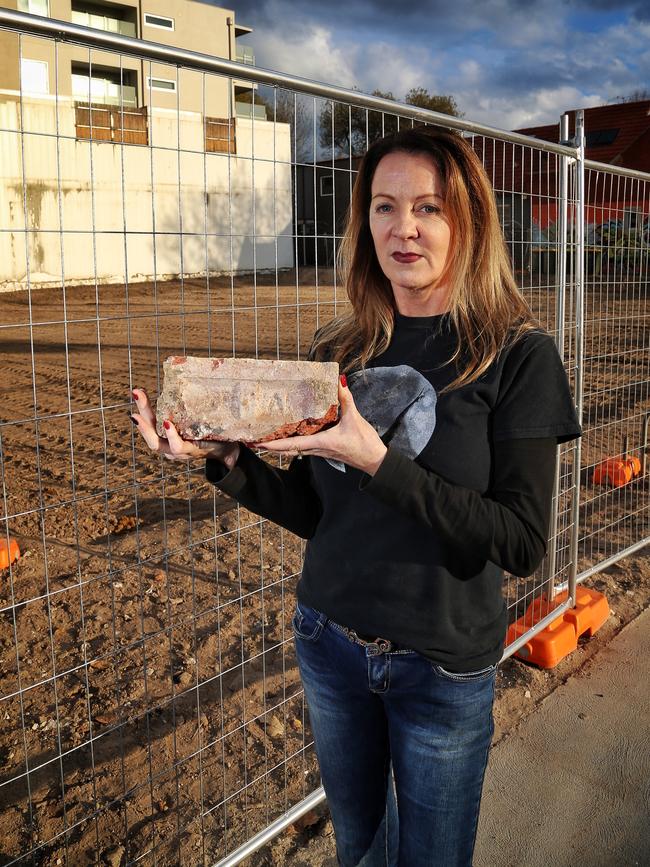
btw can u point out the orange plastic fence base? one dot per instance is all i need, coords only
(8, 553)
(560, 637)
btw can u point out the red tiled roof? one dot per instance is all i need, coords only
(632, 119)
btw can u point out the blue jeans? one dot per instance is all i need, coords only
(402, 746)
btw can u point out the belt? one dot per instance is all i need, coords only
(384, 645)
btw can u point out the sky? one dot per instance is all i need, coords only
(507, 63)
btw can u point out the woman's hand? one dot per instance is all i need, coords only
(175, 448)
(353, 440)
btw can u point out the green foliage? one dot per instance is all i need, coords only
(443, 103)
(623, 248)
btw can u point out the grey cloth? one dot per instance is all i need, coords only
(399, 403)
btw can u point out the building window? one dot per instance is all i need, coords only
(158, 21)
(327, 185)
(34, 7)
(166, 84)
(34, 77)
(600, 137)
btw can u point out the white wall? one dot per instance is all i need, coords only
(117, 211)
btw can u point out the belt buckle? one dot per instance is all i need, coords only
(382, 644)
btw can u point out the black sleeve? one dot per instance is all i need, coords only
(285, 497)
(534, 395)
(508, 525)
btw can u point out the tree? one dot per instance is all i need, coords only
(350, 129)
(445, 104)
(296, 110)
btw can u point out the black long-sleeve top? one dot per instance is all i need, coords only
(509, 525)
(416, 552)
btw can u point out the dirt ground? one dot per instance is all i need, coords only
(520, 690)
(151, 708)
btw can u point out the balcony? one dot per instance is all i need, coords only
(106, 105)
(103, 22)
(102, 91)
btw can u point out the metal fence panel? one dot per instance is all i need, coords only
(150, 699)
(614, 501)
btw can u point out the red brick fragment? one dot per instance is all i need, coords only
(246, 399)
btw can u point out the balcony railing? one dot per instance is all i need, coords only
(245, 54)
(247, 109)
(220, 135)
(105, 123)
(103, 22)
(101, 91)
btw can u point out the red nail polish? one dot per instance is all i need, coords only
(166, 425)
(135, 396)
(344, 380)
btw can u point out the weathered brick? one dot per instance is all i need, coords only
(245, 399)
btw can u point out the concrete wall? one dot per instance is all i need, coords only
(110, 212)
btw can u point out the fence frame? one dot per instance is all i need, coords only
(75, 34)
(572, 160)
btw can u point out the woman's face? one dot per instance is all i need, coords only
(411, 231)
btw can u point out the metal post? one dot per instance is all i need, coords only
(560, 304)
(272, 831)
(579, 270)
(562, 232)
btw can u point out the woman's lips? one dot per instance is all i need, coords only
(405, 258)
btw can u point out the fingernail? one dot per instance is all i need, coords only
(135, 396)
(344, 380)
(134, 420)
(166, 425)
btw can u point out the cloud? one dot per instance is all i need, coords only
(515, 17)
(507, 63)
(434, 19)
(392, 68)
(639, 9)
(543, 107)
(309, 51)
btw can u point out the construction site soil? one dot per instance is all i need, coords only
(151, 708)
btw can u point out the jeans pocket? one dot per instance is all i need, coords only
(307, 623)
(465, 676)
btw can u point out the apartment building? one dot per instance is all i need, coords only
(106, 80)
(83, 95)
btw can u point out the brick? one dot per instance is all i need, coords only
(245, 399)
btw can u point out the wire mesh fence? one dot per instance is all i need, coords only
(150, 704)
(614, 500)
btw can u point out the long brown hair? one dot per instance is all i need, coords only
(485, 305)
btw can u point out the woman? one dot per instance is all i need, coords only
(437, 477)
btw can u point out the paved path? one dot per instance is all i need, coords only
(571, 786)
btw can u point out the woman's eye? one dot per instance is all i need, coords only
(430, 209)
(384, 208)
